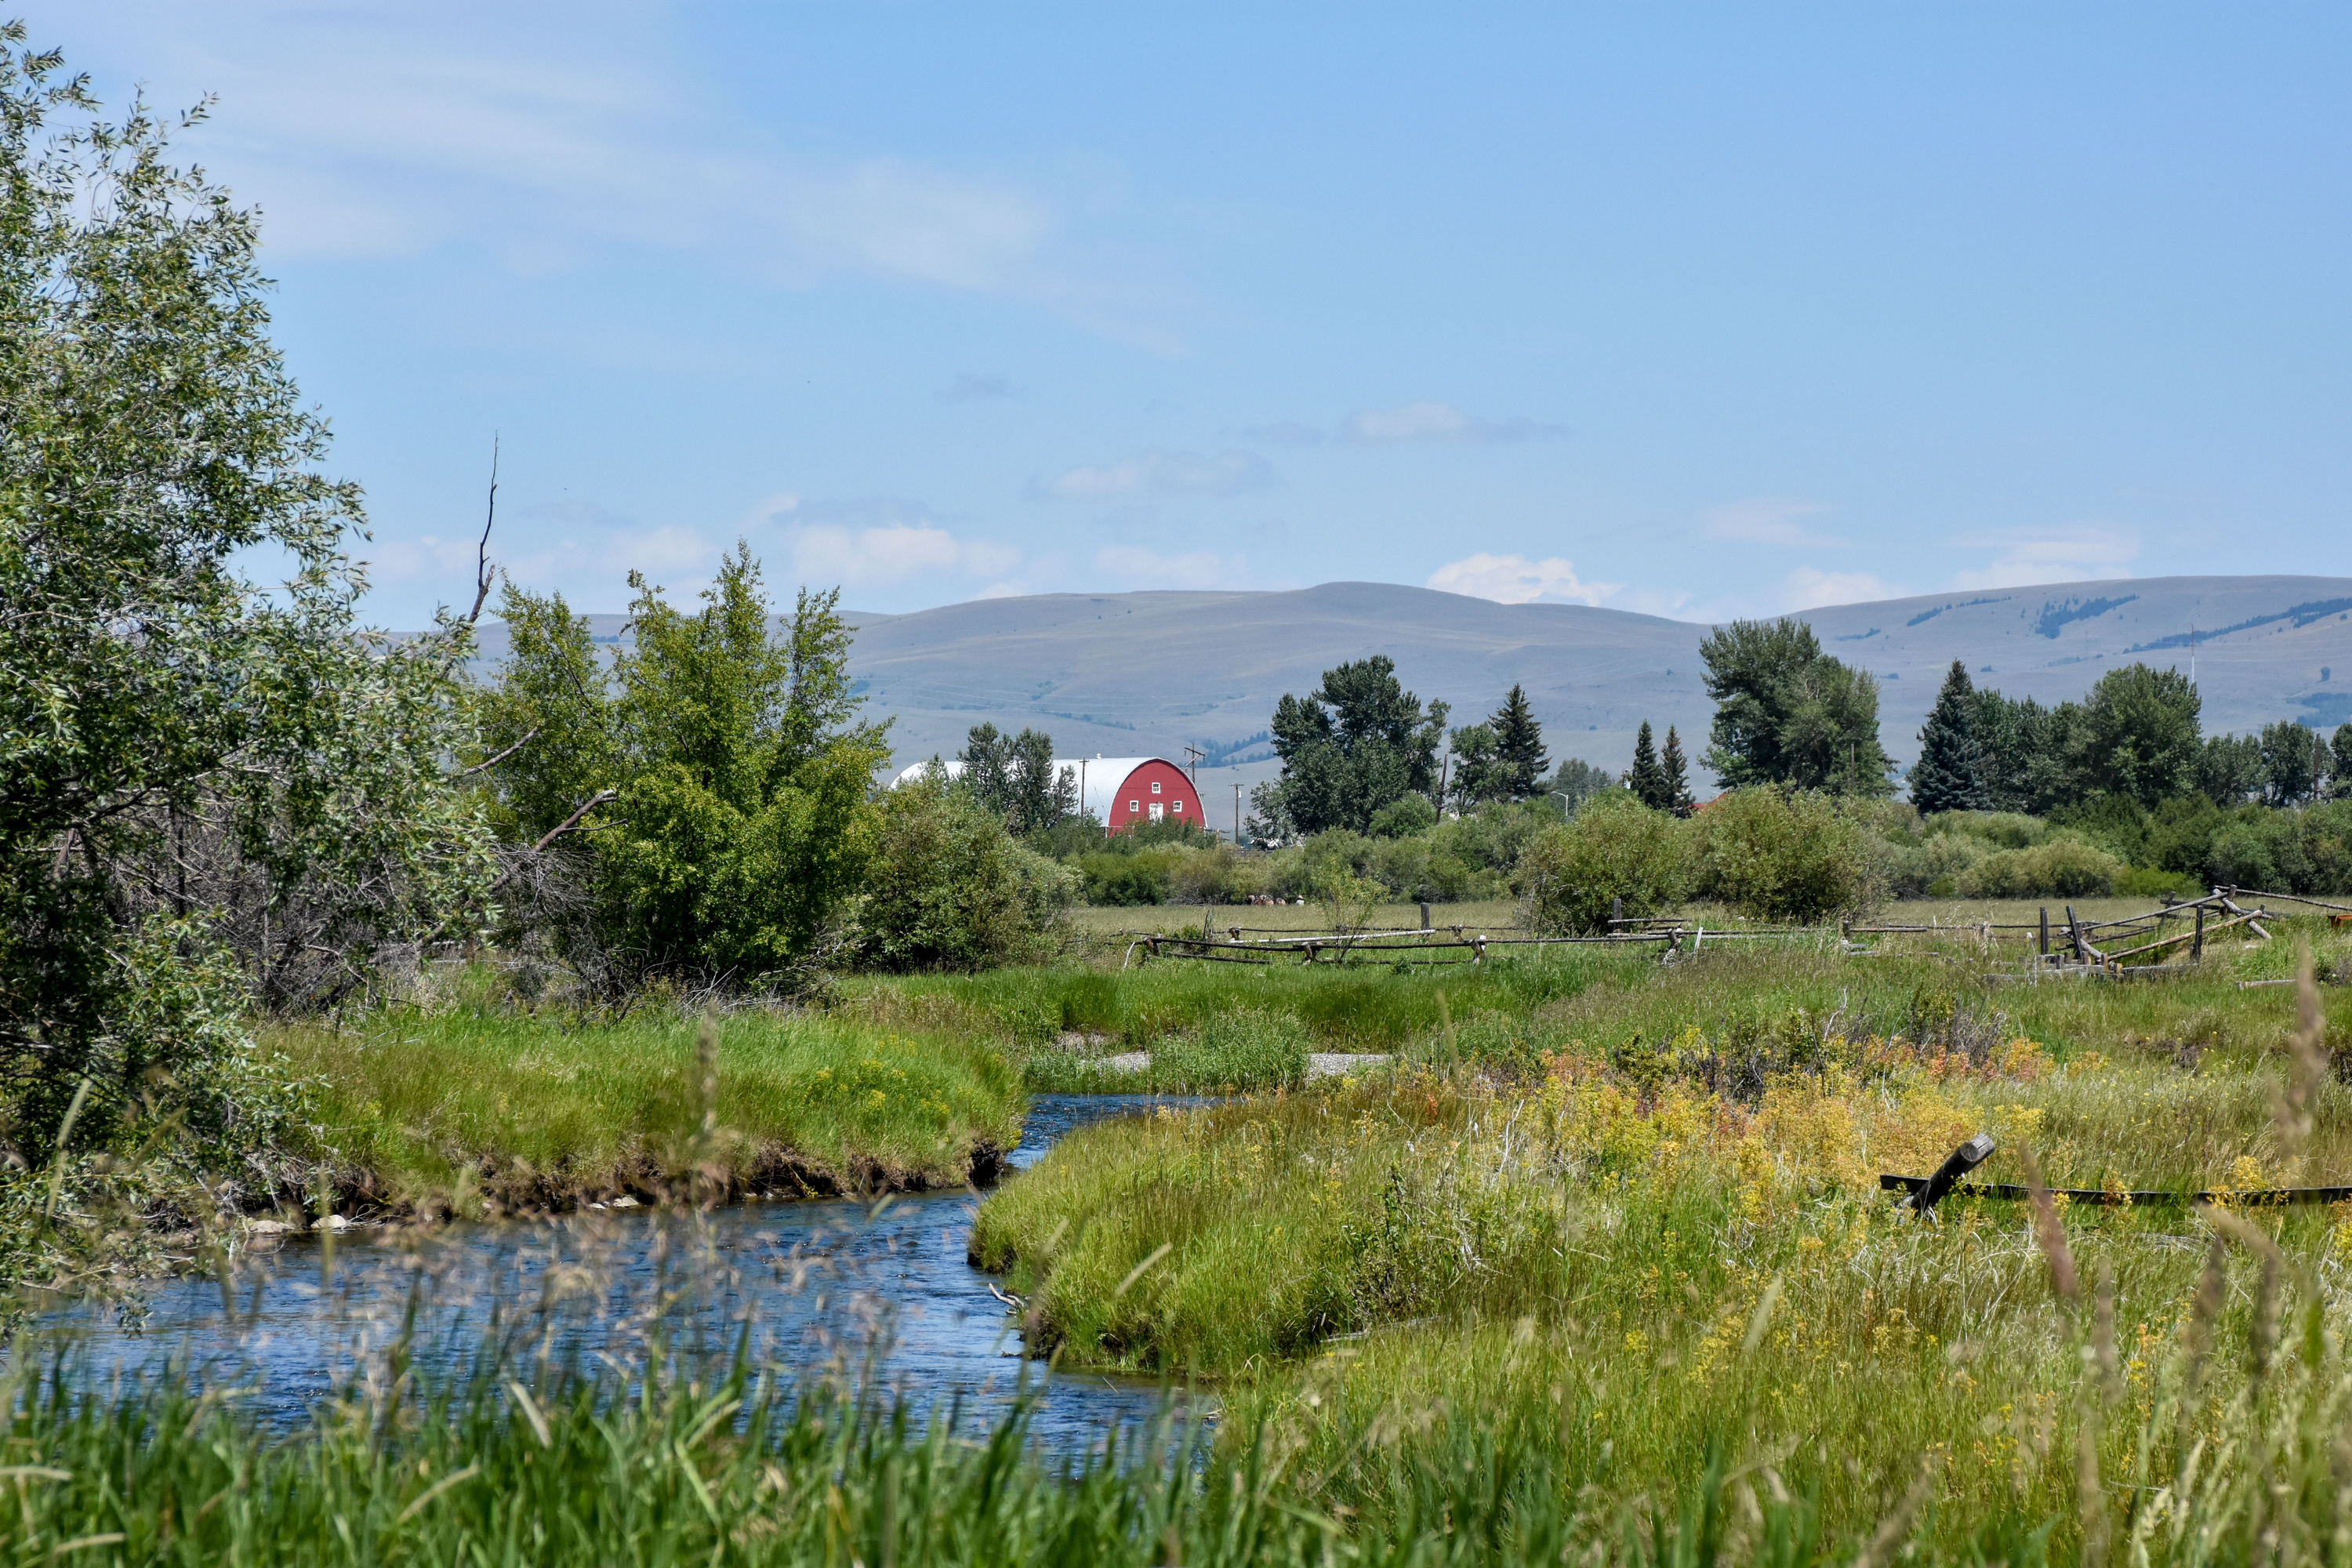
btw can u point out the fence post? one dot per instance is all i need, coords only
(2197, 942)
(1424, 915)
(2045, 931)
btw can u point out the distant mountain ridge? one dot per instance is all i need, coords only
(1153, 672)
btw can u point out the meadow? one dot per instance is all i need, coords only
(1621, 1223)
(1597, 1269)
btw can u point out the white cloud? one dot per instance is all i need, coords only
(1515, 580)
(1198, 569)
(547, 134)
(1170, 474)
(2060, 555)
(1437, 422)
(1808, 588)
(1765, 520)
(880, 557)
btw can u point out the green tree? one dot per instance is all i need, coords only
(1646, 779)
(2229, 768)
(1016, 777)
(2138, 735)
(1788, 713)
(2291, 767)
(1948, 775)
(1578, 781)
(1518, 743)
(187, 760)
(1348, 749)
(730, 773)
(1675, 770)
(2023, 751)
(2340, 767)
(1480, 773)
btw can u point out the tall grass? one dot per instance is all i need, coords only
(484, 1106)
(1608, 1268)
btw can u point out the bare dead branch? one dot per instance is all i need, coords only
(488, 763)
(485, 574)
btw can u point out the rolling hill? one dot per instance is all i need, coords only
(1152, 672)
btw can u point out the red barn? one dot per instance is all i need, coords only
(1122, 792)
(1127, 792)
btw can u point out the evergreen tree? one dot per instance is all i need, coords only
(1647, 780)
(1678, 775)
(1518, 743)
(1949, 774)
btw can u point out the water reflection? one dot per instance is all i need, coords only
(885, 1288)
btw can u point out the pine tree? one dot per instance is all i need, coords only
(1949, 774)
(1518, 743)
(1676, 774)
(1648, 780)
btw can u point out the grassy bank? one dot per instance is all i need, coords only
(1669, 1238)
(470, 1108)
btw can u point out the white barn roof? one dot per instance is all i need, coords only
(1098, 779)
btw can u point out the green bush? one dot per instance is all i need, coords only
(1613, 849)
(2001, 829)
(1120, 880)
(2147, 882)
(1792, 857)
(1403, 816)
(948, 888)
(2064, 868)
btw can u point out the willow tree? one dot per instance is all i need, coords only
(211, 788)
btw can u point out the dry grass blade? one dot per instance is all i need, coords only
(2050, 1233)
(1885, 1542)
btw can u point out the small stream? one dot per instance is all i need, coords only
(816, 1282)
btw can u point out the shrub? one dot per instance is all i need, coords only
(948, 888)
(2002, 830)
(2064, 868)
(1405, 816)
(1615, 848)
(1792, 857)
(1119, 881)
(2146, 882)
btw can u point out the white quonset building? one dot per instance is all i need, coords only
(1121, 792)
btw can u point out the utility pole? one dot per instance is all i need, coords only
(1237, 814)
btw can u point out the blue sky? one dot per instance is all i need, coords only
(1697, 310)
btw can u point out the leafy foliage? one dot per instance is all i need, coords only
(736, 771)
(1614, 851)
(1015, 777)
(948, 888)
(1349, 748)
(1788, 713)
(181, 751)
(1777, 855)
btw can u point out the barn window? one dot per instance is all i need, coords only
(1179, 808)
(1155, 786)
(1133, 805)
